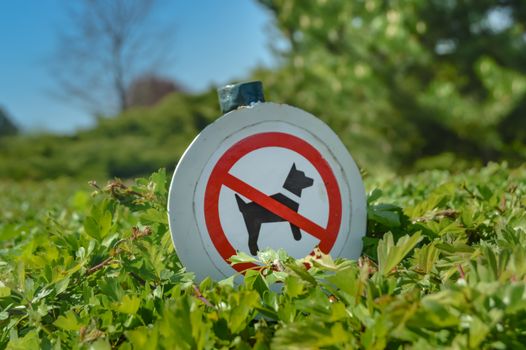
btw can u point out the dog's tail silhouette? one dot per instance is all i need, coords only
(240, 203)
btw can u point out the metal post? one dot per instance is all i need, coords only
(233, 96)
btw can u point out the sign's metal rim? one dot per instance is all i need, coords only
(182, 222)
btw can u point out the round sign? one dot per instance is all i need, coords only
(266, 176)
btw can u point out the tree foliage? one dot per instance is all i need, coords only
(402, 80)
(405, 84)
(148, 89)
(7, 127)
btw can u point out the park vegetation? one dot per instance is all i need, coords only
(430, 99)
(443, 266)
(407, 85)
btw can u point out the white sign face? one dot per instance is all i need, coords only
(269, 176)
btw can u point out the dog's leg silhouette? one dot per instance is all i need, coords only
(295, 232)
(253, 229)
(253, 225)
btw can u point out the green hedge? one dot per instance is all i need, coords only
(443, 266)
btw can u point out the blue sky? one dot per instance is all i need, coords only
(216, 42)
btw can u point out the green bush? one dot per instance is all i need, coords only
(134, 143)
(443, 266)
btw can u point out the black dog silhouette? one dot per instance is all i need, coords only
(255, 215)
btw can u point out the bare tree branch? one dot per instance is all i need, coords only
(109, 44)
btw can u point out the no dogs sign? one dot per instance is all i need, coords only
(266, 176)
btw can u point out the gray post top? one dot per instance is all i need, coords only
(233, 96)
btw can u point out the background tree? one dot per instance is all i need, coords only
(407, 85)
(110, 45)
(149, 89)
(7, 127)
(409, 82)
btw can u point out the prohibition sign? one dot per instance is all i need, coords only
(249, 153)
(220, 176)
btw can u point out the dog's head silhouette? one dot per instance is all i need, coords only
(296, 181)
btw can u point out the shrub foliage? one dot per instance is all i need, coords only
(444, 265)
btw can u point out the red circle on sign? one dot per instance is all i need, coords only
(220, 176)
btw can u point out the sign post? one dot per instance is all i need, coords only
(262, 176)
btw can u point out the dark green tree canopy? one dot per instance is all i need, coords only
(7, 127)
(402, 80)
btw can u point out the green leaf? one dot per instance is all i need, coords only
(227, 282)
(242, 257)
(374, 195)
(4, 291)
(390, 255)
(154, 216)
(68, 321)
(477, 332)
(245, 303)
(105, 224)
(426, 257)
(310, 335)
(128, 305)
(384, 214)
(159, 180)
(434, 314)
(346, 280)
(91, 227)
(142, 338)
(61, 286)
(100, 344)
(294, 286)
(301, 272)
(254, 280)
(29, 341)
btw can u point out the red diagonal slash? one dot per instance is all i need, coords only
(274, 206)
(220, 177)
